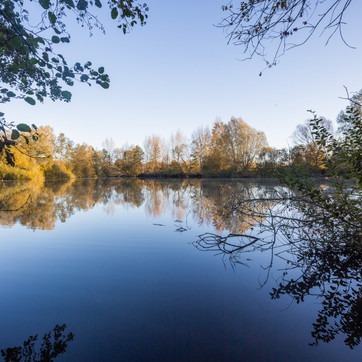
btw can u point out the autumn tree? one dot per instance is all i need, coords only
(131, 162)
(82, 161)
(153, 147)
(234, 146)
(215, 161)
(242, 144)
(63, 147)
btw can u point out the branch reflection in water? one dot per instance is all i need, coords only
(258, 218)
(54, 343)
(310, 262)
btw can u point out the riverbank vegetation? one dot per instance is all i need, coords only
(228, 149)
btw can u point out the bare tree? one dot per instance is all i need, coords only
(265, 27)
(200, 145)
(178, 146)
(110, 147)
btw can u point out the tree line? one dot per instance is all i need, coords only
(228, 149)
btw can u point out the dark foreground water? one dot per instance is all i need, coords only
(120, 263)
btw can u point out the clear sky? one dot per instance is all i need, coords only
(178, 72)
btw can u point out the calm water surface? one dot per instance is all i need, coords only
(116, 261)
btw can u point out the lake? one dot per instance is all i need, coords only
(140, 270)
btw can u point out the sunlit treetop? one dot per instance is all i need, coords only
(31, 68)
(267, 28)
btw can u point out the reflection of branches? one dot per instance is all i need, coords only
(7, 210)
(54, 343)
(314, 262)
(333, 273)
(232, 245)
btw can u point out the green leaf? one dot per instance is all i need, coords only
(40, 40)
(52, 17)
(67, 95)
(114, 13)
(65, 40)
(105, 85)
(11, 94)
(98, 4)
(15, 134)
(2, 114)
(55, 39)
(101, 70)
(35, 127)
(69, 3)
(30, 100)
(22, 127)
(45, 4)
(82, 5)
(84, 77)
(46, 57)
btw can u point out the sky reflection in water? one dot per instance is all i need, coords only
(114, 260)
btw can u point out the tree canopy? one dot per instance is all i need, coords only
(32, 69)
(29, 61)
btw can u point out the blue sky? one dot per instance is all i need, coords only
(178, 72)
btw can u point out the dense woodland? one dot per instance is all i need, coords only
(232, 149)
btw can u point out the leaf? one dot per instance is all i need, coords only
(67, 95)
(55, 39)
(69, 3)
(52, 17)
(40, 40)
(10, 158)
(84, 77)
(65, 40)
(46, 57)
(114, 13)
(45, 4)
(15, 134)
(105, 85)
(11, 94)
(2, 114)
(98, 4)
(22, 127)
(30, 100)
(82, 5)
(101, 70)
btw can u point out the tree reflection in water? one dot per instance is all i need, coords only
(54, 343)
(310, 262)
(258, 217)
(38, 205)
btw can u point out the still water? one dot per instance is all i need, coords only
(122, 264)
